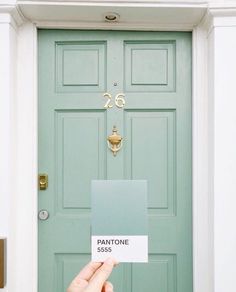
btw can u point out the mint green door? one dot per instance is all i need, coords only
(153, 71)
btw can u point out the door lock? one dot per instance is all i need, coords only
(43, 214)
(43, 181)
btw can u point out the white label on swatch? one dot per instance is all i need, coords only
(123, 248)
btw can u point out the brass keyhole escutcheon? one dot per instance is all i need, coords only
(114, 141)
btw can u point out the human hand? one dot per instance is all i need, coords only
(92, 278)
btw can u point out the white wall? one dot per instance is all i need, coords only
(8, 40)
(225, 158)
(4, 126)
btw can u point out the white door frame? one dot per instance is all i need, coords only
(24, 275)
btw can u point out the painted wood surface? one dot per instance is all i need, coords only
(153, 70)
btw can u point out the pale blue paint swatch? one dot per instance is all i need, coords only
(119, 207)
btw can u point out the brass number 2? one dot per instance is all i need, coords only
(119, 100)
(109, 97)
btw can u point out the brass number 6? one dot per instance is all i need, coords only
(119, 100)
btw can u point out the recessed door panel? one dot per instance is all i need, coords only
(151, 155)
(160, 274)
(80, 66)
(80, 143)
(150, 66)
(67, 266)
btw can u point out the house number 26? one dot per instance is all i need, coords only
(119, 100)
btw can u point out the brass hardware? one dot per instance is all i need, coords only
(114, 141)
(3, 261)
(109, 97)
(119, 99)
(43, 181)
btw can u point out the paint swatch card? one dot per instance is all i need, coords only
(119, 220)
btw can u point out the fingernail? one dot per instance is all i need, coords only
(109, 289)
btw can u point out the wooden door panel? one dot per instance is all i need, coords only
(149, 66)
(150, 154)
(80, 149)
(68, 265)
(160, 274)
(80, 66)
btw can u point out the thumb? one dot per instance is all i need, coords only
(101, 275)
(107, 287)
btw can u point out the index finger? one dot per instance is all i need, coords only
(87, 272)
(102, 275)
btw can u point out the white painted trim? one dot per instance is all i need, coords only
(202, 203)
(12, 15)
(89, 14)
(119, 3)
(26, 246)
(118, 26)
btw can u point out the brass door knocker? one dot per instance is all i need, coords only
(114, 141)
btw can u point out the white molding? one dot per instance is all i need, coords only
(115, 3)
(213, 13)
(222, 12)
(89, 15)
(11, 14)
(202, 218)
(114, 26)
(6, 18)
(222, 21)
(218, 18)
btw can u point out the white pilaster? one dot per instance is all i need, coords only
(202, 200)
(26, 166)
(8, 41)
(223, 90)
